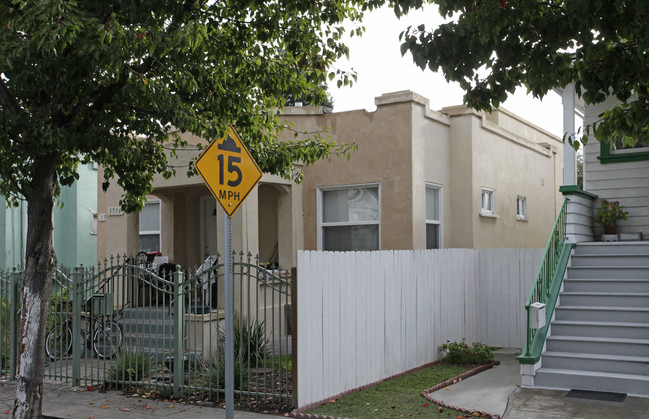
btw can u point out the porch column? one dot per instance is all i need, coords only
(569, 155)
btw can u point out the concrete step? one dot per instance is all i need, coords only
(139, 340)
(619, 364)
(567, 379)
(617, 248)
(147, 326)
(611, 314)
(598, 345)
(147, 313)
(590, 328)
(607, 299)
(635, 286)
(610, 260)
(608, 272)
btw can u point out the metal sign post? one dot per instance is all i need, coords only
(230, 173)
(229, 320)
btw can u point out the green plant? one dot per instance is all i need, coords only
(129, 366)
(215, 372)
(609, 212)
(60, 307)
(250, 343)
(464, 354)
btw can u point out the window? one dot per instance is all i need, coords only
(93, 222)
(433, 216)
(521, 208)
(488, 208)
(349, 218)
(150, 227)
(619, 153)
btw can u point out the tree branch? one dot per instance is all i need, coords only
(8, 101)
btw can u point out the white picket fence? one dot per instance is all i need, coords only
(366, 316)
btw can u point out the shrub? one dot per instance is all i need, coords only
(462, 353)
(60, 308)
(129, 366)
(215, 372)
(250, 343)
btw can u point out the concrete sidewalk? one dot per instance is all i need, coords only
(487, 391)
(497, 391)
(63, 401)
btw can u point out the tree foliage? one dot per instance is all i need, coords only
(492, 46)
(114, 81)
(103, 81)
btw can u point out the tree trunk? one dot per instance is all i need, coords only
(40, 263)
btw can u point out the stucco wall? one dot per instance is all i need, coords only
(384, 156)
(514, 166)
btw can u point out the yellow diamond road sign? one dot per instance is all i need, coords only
(228, 169)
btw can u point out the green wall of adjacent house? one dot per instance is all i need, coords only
(75, 242)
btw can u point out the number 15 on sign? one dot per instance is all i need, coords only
(228, 170)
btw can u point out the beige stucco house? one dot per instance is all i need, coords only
(419, 179)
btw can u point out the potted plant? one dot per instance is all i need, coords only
(608, 213)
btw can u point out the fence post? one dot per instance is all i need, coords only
(294, 335)
(179, 313)
(14, 303)
(77, 295)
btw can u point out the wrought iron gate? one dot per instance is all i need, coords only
(127, 324)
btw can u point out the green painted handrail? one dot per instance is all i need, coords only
(546, 286)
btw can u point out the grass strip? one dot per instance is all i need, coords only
(398, 397)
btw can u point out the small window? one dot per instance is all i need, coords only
(488, 208)
(93, 223)
(349, 218)
(521, 208)
(150, 227)
(433, 216)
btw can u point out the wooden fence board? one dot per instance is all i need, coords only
(365, 316)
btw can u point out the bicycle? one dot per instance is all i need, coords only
(106, 341)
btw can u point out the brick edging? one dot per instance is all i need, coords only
(451, 381)
(299, 413)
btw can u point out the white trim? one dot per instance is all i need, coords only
(521, 216)
(486, 212)
(319, 210)
(440, 213)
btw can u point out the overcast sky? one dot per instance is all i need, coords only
(377, 60)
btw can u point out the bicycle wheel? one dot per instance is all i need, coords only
(59, 342)
(108, 339)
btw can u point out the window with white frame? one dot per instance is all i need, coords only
(488, 208)
(521, 208)
(349, 218)
(433, 216)
(150, 227)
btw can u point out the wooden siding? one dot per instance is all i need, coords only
(625, 182)
(366, 316)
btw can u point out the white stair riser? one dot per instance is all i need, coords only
(596, 364)
(600, 272)
(589, 285)
(605, 300)
(609, 261)
(613, 331)
(563, 313)
(637, 386)
(606, 348)
(612, 249)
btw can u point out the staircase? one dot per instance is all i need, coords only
(148, 330)
(599, 338)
